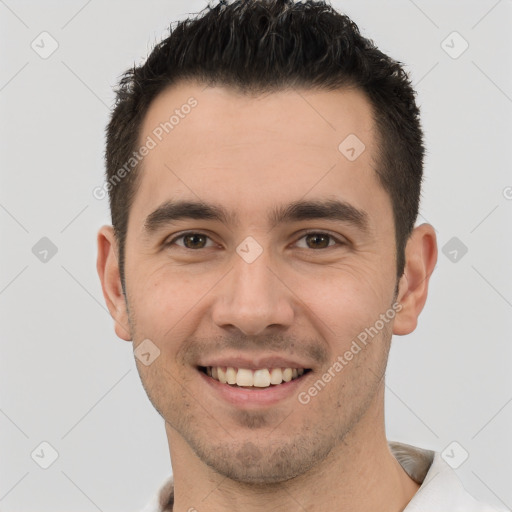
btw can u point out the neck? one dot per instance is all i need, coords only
(360, 474)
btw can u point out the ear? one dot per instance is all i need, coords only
(108, 270)
(420, 261)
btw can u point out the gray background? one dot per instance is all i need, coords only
(64, 376)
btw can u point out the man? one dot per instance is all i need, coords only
(264, 167)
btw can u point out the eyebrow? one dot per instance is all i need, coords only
(333, 209)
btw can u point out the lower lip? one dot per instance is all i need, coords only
(258, 397)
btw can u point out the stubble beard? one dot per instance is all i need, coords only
(268, 454)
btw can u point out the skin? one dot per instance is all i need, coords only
(297, 299)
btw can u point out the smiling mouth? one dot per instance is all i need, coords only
(253, 379)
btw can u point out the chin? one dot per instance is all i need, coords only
(252, 464)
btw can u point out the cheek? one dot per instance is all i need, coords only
(339, 299)
(346, 301)
(163, 298)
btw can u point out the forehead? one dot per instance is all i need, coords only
(322, 118)
(253, 152)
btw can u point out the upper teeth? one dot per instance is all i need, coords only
(260, 378)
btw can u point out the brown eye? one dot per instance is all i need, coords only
(318, 240)
(191, 240)
(194, 241)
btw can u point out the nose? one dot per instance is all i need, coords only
(253, 297)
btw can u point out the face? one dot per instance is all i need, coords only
(301, 263)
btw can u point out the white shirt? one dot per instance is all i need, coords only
(440, 491)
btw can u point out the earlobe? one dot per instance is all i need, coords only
(421, 259)
(108, 271)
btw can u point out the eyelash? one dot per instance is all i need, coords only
(182, 235)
